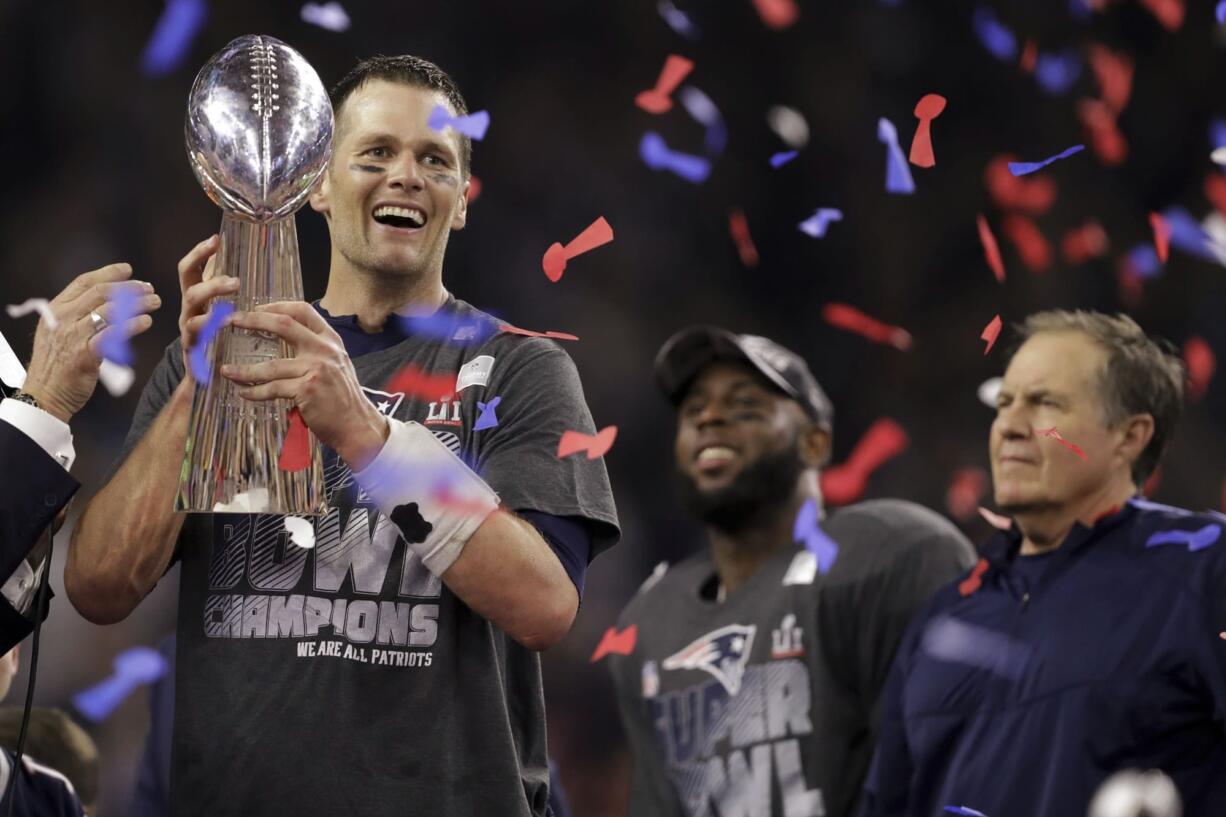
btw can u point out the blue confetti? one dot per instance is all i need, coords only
(487, 419)
(1023, 168)
(173, 35)
(1189, 236)
(897, 171)
(1144, 260)
(199, 354)
(1221, 12)
(998, 40)
(114, 345)
(678, 20)
(1194, 539)
(816, 224)
(1056, 73)
(447, 326)
(1080, 10)
(473, 125)
(657, 156)
(817, 541)
(783, 157)
(966, 812)
(133, 667)
(703, 110)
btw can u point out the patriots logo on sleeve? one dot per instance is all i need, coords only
(723, 653)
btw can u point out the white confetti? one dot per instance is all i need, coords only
(989, 390)
(1218, 156)
(116, 379)
(301, 531)
(331, 16)
(11, 371)
(39, 305)
(789, 125)
(253, 501)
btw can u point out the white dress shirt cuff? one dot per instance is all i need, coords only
(51, 433)
(19, 589)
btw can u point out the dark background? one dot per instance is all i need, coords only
(95, 172)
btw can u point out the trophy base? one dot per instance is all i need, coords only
(233, 451)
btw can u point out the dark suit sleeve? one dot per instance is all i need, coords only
(33, 489)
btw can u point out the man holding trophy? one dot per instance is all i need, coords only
(390, 668)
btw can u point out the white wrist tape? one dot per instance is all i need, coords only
(428, 492)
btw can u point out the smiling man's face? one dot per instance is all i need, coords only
(395, 189)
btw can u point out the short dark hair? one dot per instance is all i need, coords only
(55, 740)
(409, 70)
(1143, 375)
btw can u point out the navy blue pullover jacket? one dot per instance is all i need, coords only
(1018, 690)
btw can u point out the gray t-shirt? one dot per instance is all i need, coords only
(347, 679)
(767, 704)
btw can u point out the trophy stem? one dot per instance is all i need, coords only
(233, 445)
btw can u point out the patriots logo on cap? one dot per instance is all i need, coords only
(722, 652)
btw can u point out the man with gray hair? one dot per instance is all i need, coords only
(1086, 640)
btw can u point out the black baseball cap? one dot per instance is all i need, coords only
(686, 353)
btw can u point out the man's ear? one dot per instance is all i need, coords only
(815, 444)
(319, 196)
(461, 213)
(1135, 434)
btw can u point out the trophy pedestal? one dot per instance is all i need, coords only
(233, 445)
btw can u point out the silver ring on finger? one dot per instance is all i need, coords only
(99, 322)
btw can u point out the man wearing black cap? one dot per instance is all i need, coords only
(752, 684)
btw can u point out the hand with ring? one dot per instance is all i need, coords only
(63, 370)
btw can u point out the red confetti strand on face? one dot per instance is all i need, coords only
(990, 333)
(851, 319)
(991, 250)
(927, 109)
(597, 234)
(1055, 435)
(658, 100)
(615, 643)
(296, 447)
(846, 482)
(738, 227)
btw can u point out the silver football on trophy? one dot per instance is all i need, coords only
(259, 128)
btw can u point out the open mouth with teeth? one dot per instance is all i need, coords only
(402, 217)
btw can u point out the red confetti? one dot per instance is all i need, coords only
(927, 109)
(738, 226)
(847, 317)
(595, 445)
(991, 250)
(1151, 484)
(413, 382)
(1131, 286)
(597, 234)
(990, 333)
(1114, 74)
(974, 581)
(1083, 243)
(1030, 194)
(777, 14)
(1105, 138)
(615, 643)
(1030, 56)
(845, 483)
(995, 520)
(1162, 236)
(296, 447)
(1031, 246)
(1215, 191)
(1200, 360)
(1168, 12)
(1055, 435)
(515, 330)
(966, 487)
(474, 189)
(658, 100)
